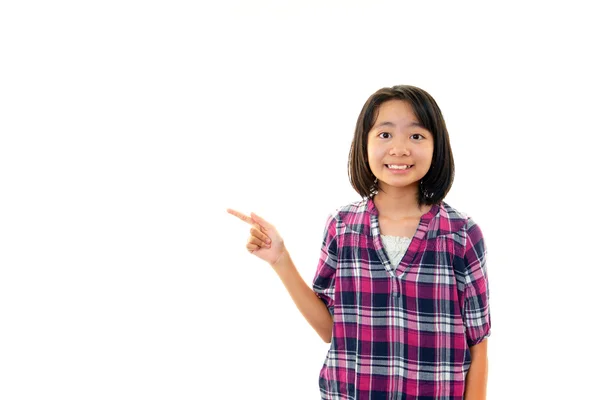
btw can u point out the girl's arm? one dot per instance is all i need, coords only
(267, 244)
(476, 311)
(311, 307)
(476, 383)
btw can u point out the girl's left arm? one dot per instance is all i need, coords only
(476, 383)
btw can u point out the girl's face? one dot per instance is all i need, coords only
(399, 149)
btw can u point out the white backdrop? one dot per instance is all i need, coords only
(128, 127)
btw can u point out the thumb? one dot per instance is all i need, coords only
(260, 221)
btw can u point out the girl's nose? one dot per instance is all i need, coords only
(399, 149)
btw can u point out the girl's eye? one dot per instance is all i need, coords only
(384, 135)
(418, 136)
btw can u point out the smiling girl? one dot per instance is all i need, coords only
(401, 288)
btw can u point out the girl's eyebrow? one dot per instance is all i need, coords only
(388, 123)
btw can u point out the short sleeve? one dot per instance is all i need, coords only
(476, 311)
(324, 281)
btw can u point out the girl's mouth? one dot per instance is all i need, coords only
(398, 167)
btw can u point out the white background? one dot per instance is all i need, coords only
(127, 128)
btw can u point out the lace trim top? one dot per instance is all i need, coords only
(395, 247)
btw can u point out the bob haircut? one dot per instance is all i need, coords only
(436, 184)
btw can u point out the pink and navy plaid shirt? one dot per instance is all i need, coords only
(404, 333)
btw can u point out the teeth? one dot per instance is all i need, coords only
(398, 166)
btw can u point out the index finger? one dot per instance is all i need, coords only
(241, 216)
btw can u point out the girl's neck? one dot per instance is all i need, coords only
(399, 204)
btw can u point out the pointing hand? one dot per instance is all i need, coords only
(264, 241)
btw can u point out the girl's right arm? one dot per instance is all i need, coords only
(266, 243)
(313, 309)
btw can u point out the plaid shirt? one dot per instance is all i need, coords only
(401, 334)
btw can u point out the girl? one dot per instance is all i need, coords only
(401, 289)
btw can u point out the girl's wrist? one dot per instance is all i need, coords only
(281, 260)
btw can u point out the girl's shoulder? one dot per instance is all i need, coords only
(356, 208)
(354, 216)
(450, 220)
(447, 211)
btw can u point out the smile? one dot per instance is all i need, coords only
(398, 167)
